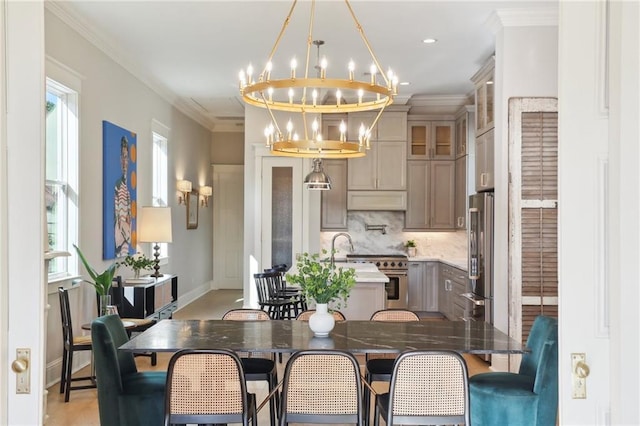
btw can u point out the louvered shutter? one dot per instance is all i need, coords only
(534, 196)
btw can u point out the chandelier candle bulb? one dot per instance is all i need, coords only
(270, 92)
(249, 74)
(291, 96)
(323, 68)
(314, 96)
(268, 68)
(294, 65)
(373, 70)
(343, 131)
(360, 95)
(338, 96)
(352, 68)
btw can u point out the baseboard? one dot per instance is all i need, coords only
(81, 360)
(194, 294)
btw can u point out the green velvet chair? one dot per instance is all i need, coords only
(126, 397)
(529, 397)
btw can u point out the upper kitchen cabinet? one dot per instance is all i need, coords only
(392, 125)
(483, 81)
(430, 195)
(430, 140)
(465, 166)
(383, 168)
(484, 162)
(334, 201)
(331, 125)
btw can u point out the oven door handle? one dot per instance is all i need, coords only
(395, 273)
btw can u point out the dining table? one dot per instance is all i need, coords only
(358, 337)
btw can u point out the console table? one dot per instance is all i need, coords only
(155, 300)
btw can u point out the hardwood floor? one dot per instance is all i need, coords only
(82, 408)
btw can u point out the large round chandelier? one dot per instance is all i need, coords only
(304, 91)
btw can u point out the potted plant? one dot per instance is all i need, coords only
(101, 282)
(138, 262)
(324, 283)
(411, 248)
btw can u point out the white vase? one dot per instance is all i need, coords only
(321, 322)
(412, 251)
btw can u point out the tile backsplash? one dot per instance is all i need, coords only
(436, 245)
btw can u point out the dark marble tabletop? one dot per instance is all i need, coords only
(351, 336)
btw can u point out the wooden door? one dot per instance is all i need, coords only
(228, 225)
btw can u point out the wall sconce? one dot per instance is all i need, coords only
(206, 192)
(184, 186)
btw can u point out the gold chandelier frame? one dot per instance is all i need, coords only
(260, 93)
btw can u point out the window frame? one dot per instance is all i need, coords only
(65, 84)
(160, 175)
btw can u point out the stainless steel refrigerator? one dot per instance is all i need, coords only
(481, 253)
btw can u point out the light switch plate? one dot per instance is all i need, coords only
(579, 384)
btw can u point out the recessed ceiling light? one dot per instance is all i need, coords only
(429, 40)
(404, 83)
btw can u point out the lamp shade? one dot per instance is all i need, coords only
(155, 225)
(206, 191)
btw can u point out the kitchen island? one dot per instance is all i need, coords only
(367, 296)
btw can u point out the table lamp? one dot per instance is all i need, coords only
(155, 227)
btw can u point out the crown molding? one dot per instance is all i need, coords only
(534, 17)
(67, 15)
(438, 100)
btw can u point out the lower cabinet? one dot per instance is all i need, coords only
(423, 289)
(157, 300)
(453, 282)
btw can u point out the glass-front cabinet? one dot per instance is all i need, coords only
(430, 140)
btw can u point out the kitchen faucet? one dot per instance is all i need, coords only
(333, 243)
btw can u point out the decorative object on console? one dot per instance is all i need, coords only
(137, 262)
(324, 283)
(301, 94)
(206, 192)
(411, 248)
(317, 179)
(184, 186)
(101, 282)
(155, 227)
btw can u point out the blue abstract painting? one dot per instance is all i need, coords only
(119, 183)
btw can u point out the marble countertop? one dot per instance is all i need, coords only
(457, 263)
(353, 336)
(365, 272)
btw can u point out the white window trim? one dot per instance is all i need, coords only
(65, 79)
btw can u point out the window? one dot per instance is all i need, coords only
(160, 174)
(61, 174)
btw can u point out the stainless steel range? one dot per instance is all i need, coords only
(393, 266)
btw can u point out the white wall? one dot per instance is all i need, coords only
(526, 65)
(111, 93)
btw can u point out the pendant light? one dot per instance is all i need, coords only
(317, 179)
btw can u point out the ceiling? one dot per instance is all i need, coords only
(192, 52)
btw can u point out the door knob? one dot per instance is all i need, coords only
(582, 370)
(20, 365)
